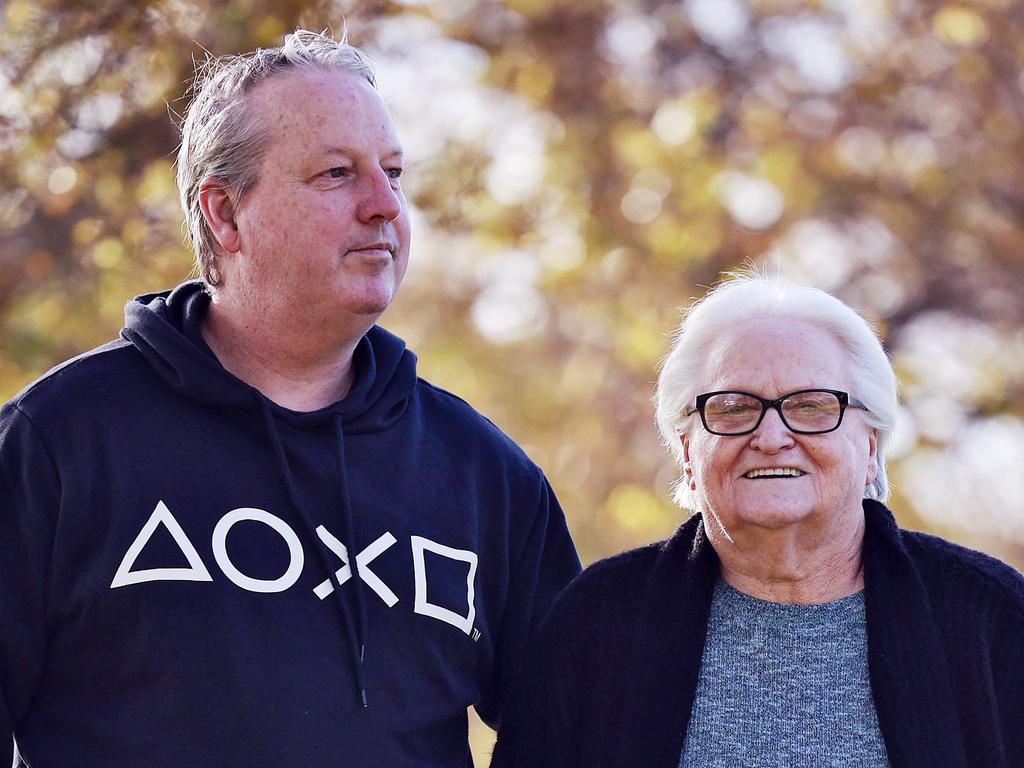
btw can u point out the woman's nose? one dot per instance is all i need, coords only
(771, 434)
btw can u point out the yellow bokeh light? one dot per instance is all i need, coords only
(109, 191)
(637, 510)
(269, 27)
(636, 145)
(536, 79)
(134, 231)
(640, 341)
(108, 253)
(86, 230)
(960, 26)
(157, 184)
(19, 14)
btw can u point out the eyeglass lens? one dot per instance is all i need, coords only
(735, 412)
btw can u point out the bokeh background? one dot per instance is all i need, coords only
(579, 170)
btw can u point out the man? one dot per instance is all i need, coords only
(244, 533)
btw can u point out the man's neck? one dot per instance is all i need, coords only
(297, 368)
(797, 565)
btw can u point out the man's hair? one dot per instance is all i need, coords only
(221, 138)
(744, 300)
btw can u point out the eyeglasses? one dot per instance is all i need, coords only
(807, 411)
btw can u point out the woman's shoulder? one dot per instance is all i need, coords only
(965, 572)
(621, 584)
(610, 579)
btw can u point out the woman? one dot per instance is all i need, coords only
(789, 622)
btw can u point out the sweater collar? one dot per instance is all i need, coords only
(671, 644)
(910, 674)
(906, 663)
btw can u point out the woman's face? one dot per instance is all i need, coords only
(772, 358)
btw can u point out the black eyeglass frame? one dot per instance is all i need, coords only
(845, 401)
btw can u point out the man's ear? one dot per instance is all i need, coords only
(217, 201)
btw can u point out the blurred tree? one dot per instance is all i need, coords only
(580, 169)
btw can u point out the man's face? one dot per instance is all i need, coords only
(326, 226)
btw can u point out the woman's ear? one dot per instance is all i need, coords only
(217, 201)
(872, 472)
(687, 469)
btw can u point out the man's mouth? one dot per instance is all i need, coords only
(372, 247)
(774, 472)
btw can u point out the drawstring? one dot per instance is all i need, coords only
(357, 578)
(357, 630)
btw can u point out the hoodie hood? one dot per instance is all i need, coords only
(164, 327)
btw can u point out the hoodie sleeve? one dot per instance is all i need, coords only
(545, 564)
(539, 722)
(29, 498)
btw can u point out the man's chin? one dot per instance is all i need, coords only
(369, 311)
(371, 301)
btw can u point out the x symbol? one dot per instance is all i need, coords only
(363, 559)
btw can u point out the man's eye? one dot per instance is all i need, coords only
(394, 173)
(335, 173)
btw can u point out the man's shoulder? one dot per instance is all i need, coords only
(462, 422)
(80, 376)
(972, 574)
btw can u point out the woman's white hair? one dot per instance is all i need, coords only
(743, 300)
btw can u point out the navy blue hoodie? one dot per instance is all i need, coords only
(192, 575)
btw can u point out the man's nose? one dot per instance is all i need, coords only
(381, 197)
(771, 434)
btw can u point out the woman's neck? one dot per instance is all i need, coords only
(797, 564)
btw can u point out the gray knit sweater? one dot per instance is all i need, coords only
(784, 685)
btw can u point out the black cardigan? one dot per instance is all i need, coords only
(613, 673)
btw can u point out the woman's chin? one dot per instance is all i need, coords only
(773, 516)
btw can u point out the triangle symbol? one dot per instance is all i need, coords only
(195, 571)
